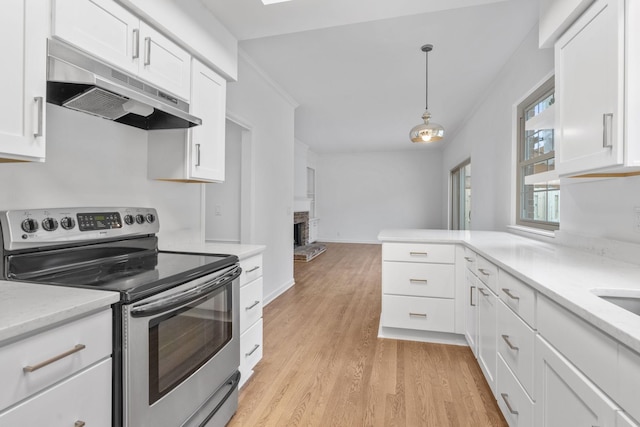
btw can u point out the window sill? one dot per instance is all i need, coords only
(519, 229)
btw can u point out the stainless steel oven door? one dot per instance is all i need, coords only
(180, 347)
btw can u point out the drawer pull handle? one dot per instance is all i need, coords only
(484, 272)
(253, 350)
(505, 397)
(468, 259)
(75, 349)
(418, 253)
(484, 294)
(251, 270)
(252, 305)
(423, 315)
(509, 294)
(509, 344)
(79, 424)
(471, 288)
(418, 281)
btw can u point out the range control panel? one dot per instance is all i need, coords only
(32, 227)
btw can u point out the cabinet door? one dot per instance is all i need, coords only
(487, 347)
(100, 27)
(23, 41)
(207, 145)
(564, 396)
(589, 60)
(471, 312)
(164, 64)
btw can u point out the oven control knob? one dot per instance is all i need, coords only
(30, 225)
(128, 219)
(49, 224)
(140, 219)
(67, 223)
(151, 218)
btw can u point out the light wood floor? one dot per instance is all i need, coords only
(323, 364)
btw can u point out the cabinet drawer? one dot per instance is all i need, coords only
(428, 314)
(250, 304)
(629, 381)
(590, 350)
(94, 332)
(418, 252)
(416, 279)
(513, 401)
(518, 296)
(470, 259)
(251, 269)
(488, 273)
(85, 397)
(251, 347)
(516, 342)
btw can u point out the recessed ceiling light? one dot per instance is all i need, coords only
(266, 2)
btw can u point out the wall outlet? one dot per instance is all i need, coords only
(636, 219)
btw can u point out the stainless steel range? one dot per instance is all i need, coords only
(176, 327)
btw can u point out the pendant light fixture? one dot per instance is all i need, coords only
(427, 132)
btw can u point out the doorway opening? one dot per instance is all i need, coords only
(461, 196)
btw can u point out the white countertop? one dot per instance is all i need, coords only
(241, 251)
(565, 275)
(26, 308)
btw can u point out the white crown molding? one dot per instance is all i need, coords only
(283, 93)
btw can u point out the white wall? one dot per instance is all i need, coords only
(271, 119)
(300, 170)
(360, 194)
(487, 137)
(604, 208)
(222, 200)
(96, 162)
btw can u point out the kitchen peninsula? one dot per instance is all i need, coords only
(553, 296)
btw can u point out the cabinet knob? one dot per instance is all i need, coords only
(79, 424)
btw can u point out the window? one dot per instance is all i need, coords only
(461, 196)
(538, 186)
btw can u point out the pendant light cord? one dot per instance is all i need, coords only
(426, 91)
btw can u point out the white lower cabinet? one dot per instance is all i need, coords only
(564, 396)
(83, 399)
(251, 302)
(514, 402)
(60, 377)
(487, 349)
(471, 311)
(418, 289)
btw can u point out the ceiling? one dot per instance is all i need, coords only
(356, 69)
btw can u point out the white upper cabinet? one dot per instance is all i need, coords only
(106, 30)
(207, 142)
(595, 103)
(24, 27)
(197, 154)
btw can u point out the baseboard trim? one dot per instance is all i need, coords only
(275, 294)
(364, 242)
(422, 336)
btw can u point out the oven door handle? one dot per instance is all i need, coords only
(169, 302)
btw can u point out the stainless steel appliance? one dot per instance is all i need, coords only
(78, 81)
(176, 327)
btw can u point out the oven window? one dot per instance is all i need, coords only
(182, 341)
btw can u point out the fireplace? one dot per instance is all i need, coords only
(300, 229)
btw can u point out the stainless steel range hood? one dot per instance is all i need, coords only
(80, 82)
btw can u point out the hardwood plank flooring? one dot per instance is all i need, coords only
(323, 364)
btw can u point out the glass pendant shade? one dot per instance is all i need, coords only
(426, 132)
